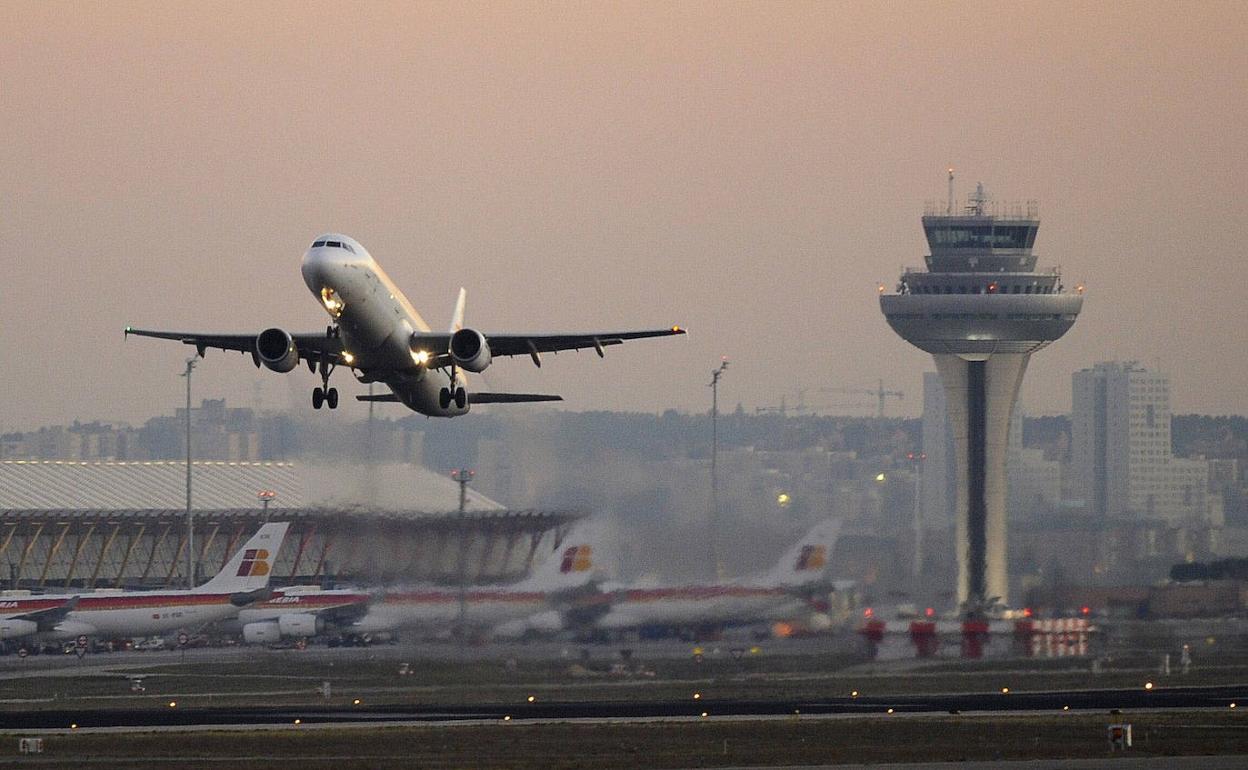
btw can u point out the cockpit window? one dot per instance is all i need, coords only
(318, 244)
(347, 246)
(333, 244)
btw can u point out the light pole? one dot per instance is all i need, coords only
(917, 459)
(190, 515)
(265, 496)
(463, 476)
(716, 567)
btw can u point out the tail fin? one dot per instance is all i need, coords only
(808, 559)
(571, 565)
(457, 317)
(249, 568)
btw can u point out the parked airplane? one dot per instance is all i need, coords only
(242, 580)
(377, 333)
(783, 593)
(435, 610)
(300, 612)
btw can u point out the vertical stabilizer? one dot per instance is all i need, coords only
(250, 567)
(457, 316)
(808, 560)
(573, 564)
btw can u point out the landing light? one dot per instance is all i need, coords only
(421, 357)
(347, 358)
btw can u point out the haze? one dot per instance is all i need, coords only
(751, 171)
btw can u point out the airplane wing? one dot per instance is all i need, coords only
(48, 617)
(533, 345)
(312, 342)
(476, 398)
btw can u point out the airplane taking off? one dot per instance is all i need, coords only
(144, 613)
(782, 593)
(377, 333)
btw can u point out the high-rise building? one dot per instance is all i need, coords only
(1121, 453)
(981, 309)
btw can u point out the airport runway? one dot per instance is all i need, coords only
(1133, 700)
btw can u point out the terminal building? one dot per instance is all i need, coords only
(91, 525)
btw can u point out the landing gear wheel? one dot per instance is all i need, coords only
(461, 398)
(331, 398)
(318, 398)
(444, 398)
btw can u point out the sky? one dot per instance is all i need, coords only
(751, 171)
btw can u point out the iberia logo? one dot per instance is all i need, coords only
(576, 559)
(255, 563)
(812, 557)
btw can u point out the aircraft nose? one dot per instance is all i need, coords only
(315, 263)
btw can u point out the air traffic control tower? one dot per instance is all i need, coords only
(981, 309)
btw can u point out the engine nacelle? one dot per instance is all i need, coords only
(300, 625)
(470, 351)
(276, 350)
(16, 628)
(265, 632)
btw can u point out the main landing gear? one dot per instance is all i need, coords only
(325, 394)
(446, 396)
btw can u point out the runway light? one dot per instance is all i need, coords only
(74, 725)
(890, 711)
(1065, 708)
(1232, 704)
(355, 702)
(854, 694)
(298, 721)
(783, 499)
(1005, 691)
(532, 698)
(1148, 685)
(697, 696)
(1085, 610)
(173, 704)
(704, 714)
(880, 477)
(507, 718)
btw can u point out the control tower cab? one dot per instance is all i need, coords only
(981, 309)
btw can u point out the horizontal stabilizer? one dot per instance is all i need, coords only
(390, 397)
(509, 398)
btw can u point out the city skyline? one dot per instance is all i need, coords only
(750, 175)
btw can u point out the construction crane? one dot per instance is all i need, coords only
(879, 392)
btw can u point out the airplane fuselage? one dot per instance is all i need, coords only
(375, 322)
(435, 610)
(687, 606)
(144, 613)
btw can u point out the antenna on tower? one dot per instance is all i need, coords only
(949, 204)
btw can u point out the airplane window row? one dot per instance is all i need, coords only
(334, 245)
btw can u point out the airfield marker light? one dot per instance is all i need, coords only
(298, 721)
(880, 477)
(532, 698)
(783, 499)
(1005, 691)
(173, 704)
(854, 694)
(1065, 708)
(1148, 685)
(697, 696)
(890, 711)
(355, 702)
(74, 725)
(705, 714)
(1085, 610)
(929, 612)
(755, 650)
(1026, 612)
(507, 718)
(1232, 704)
(868, 612)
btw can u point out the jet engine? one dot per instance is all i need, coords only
(300, 625)
(265, 632)
(15, 628)
(276, 350)
(469, 350)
